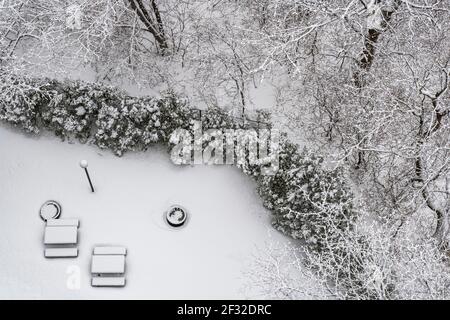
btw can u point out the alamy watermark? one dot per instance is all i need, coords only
(227, 146)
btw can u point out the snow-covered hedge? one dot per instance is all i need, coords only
(303, 196)
(306, 199)
(75, 109)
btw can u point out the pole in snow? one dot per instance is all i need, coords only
(84, 165)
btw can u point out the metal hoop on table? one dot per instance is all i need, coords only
(51, 209)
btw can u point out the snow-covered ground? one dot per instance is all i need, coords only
(206, 259)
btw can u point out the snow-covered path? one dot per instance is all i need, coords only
(203, 260)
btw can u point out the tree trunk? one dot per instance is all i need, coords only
(162, 34)
(367, 56)
(154, 24)
(423, 134)
(370, 41)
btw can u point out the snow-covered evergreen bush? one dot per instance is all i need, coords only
(215, 118)
(72, 107)
(175, 114)
(305, 197)
(19, 102)
(131, 124)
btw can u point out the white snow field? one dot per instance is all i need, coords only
(206, 259)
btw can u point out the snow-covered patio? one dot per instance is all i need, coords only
(206, 259)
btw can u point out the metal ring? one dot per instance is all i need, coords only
(176, 216)
(51, 209)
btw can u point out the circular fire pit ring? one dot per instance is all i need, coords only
(51, 209)
(176, 216)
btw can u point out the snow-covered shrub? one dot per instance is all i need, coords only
(131, 124)
(73, 106)
(76, 109)
(174, 115)
(215, 118)
(304, 197)
(19, 102)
